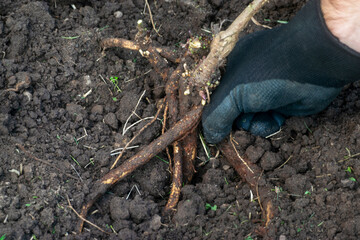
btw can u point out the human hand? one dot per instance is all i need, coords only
(293, 70)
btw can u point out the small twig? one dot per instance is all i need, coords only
(83, 219)
(238, 155)
(139, 121)
(43, 161)
(259, 24)
(137, 134)
(114, 152)
(151, 18)
(207, 94)
(137, 189)
(18, 85)
(76, 172)
(284, 162)
(349, 156)
(132, 79)
(102, 78)
(324, 175)
(85, 135)
(133, 112)
(6, 218)
(273, 134)
(257, 191)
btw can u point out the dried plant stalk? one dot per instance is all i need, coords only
(223, 43)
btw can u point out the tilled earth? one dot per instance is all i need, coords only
(66, 105)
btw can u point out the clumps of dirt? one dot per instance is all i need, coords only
(59, 103)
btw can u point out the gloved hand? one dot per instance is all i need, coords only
(293, 70)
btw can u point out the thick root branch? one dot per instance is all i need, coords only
(223, 44)
(190, 149)
(132, 45)
(179, 130)
(119, 42)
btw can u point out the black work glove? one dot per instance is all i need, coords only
(296, 69)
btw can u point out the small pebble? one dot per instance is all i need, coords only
(118, 14)
(226, 167)
(282, 237)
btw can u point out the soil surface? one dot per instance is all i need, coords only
(61, 117)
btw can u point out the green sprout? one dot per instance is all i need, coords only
(112, 228)
(277, 190)
(115, 81)
(103, 28)
(348, 170)
(307, 192)
(226, 181)
(114, 99)
(307, 127)
(76, 141)
(352, 179)
(208, 206)
(349, 156)
(3, 237)
(278, 21)
(207, 233)
(249, 238)
(75, 161)
(167, 162)
(59, 206)
(28, 204)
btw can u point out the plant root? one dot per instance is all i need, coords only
(252, 174)
(182, 123)
(133, 45)
(177, 179)
(82, 218)
(190, 150)
(179, 130)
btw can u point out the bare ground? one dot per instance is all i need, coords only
(58, 105)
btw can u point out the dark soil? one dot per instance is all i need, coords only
(58, 102)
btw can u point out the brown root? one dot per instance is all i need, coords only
(182, 131)
(190, 150)
(179, 130)
(177, 179)
(223, 43)
(252, 174)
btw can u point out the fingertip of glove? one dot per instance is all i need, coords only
(213, 138)
(261, 124)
